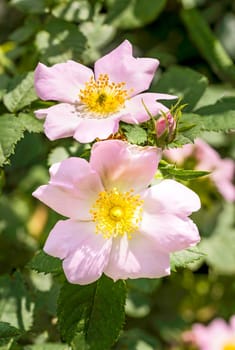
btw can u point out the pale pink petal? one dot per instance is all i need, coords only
(135, 111)
(61, 120)
(61, 82)
(121, 66)
(90, 129)
(72, 190)
(206, 155)
(85, 253)
(222, 176)
(201, 337)
(225, 187)
(169, 233)
(136, 258)
(63, 202)
(222, 170)
(171, 197)
(232, 323)
(179, 155)
(76, 175)
(214, 336)
(124, 166)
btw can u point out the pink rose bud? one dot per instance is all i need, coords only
(165, 129)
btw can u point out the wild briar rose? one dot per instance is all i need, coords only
(117, 224)
(206, 158)
(92, 104)
(165, 129)
(218, 335)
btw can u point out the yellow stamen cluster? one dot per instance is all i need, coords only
(117, 213)
(103, 97)
(229, 346)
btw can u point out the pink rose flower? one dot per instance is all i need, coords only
(117, 224)
(218, 335)
(222, 170)
(92, 104)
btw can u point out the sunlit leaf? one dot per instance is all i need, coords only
(135, 134)
(20, 92)
(60, 41)
(45, 263)
(183, 82)
(30, 6)
(184, 258)
(16, 306)
(11, 131)
(134, 13)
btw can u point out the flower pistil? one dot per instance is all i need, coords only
(229, 346)
(117, 213)
(103, 97)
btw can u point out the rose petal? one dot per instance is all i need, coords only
(72, 190)
(85, 253)
(135, 111)
(124, 166)
(121, 66)
(136, 258)
(62, 81)
(169, 232)
(232, 323)
(178, 155)
(214, 336)
(171, 197)
(61, 120)
(90, 129)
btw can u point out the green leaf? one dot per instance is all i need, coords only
(7, 332)
(93, 313)
(144, 285)
(97, 33)
(30, 122)
(137, 339)
(135, 134)
(171, 171)
(57, 155)
(47, 346)
(4, 81)
(208, 45)
(220, 246)
(72, 11)
(60, 41)
(184, 83)
(45, 263)
(213, 93)
(24, 33)
(11, 131)
(116, 9)
(189, 128)
(215, 248)
(16, 306)
(186, 257)
(219, 116)
(30, 6)
(20, 92)
(225, 32)
(136, 13)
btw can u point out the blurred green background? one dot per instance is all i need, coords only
(195, 43)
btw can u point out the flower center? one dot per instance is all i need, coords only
(229, 346)
(117, 213)
(103, 97)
